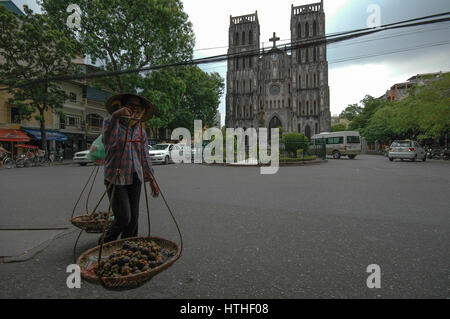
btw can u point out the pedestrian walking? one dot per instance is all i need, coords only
(123, 131)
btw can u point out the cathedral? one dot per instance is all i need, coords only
(279, 86)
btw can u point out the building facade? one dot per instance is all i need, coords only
(279, 87)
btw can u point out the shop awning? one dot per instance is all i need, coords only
(27, 146)
(13, 136)
(50, 135)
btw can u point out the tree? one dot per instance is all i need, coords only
(339, 128)
(351, 112)
(371, 105)
(424, 113)
(429, 108)
(382, 126)
(31, 48)
(294, 141)
(128, 34)
(184, 94)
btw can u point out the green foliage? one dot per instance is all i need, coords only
(351, 112)
(429, 106)
(294, 141)
(284, 159)
(182, 95)
(339, 128)
(371, 105)
(32, 48)
(424, 113)
(131, 34)
(381, 126)
(128, 34)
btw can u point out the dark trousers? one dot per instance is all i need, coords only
(125, 207)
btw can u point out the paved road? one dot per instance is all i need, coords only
(306, 232)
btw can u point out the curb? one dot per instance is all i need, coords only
(281, 164)
(48, 165)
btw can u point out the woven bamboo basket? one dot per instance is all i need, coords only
(91, 226)
(88, 262)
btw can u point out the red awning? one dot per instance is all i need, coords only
(13, 136)
(27, 146)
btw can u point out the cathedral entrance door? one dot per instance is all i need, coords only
(274, 123)
(308, 132)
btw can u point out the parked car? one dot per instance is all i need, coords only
(161, 153)
(407, 150)
(82, 158)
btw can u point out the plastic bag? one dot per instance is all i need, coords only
(97, 151)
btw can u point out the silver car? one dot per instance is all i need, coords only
(407, 150)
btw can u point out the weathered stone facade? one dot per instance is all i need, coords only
(279, 88)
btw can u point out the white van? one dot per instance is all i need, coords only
(347, 143)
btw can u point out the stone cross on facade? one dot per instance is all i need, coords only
(274, 39)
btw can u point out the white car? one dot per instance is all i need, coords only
(161, 153)
(81, 158)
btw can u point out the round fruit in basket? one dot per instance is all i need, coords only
(144, 255)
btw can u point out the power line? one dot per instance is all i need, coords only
(338, 37)
(346, 32)
(339, 45)
(353, 58)
(389, 52)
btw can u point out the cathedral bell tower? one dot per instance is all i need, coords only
(310, 70)
(241, 97)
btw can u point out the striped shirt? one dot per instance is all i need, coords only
(114, 134)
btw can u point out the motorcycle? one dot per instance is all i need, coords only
(445, 154)
(56, 157)
(433, 153)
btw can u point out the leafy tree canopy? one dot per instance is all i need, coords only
(30, 49)
(424, 113)
(184, 94)
(338, 128)
(128, 34)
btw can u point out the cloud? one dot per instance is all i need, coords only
(350, 83)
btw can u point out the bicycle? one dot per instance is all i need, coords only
(7, 161)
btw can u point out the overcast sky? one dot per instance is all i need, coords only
(423, 49)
